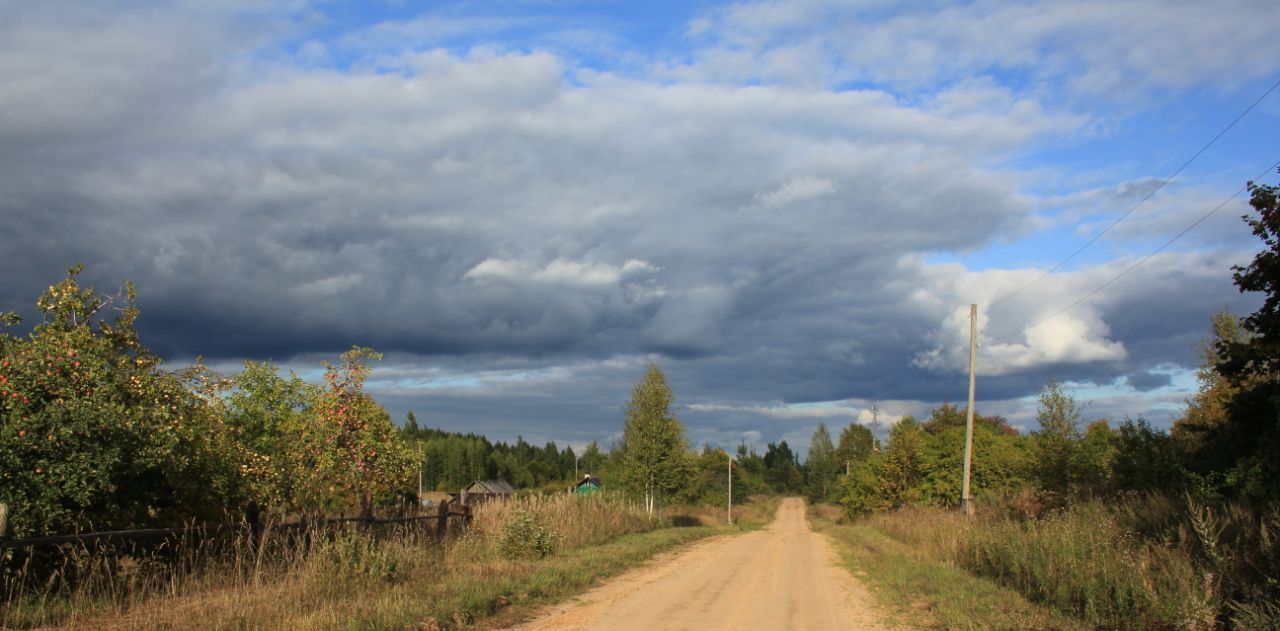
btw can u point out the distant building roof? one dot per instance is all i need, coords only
(588, 479)
(491, 487)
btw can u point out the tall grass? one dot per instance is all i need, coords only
(576, 520)
(1079, 561)
(402, 577)
(1140, 563)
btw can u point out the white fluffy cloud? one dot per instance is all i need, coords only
(1092, 47)
(558, 272)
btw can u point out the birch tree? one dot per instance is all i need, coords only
(654, 448)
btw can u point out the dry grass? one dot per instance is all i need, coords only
(1083, 562)
(351, 579)
(924, 593)
(757, 511)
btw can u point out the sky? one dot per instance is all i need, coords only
(788, 206)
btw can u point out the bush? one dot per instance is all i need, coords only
(352, 555)
(524, 536)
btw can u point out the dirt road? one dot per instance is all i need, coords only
(782, 577)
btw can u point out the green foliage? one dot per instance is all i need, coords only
(923, 464)
(92, 432)
(357, 448)
(1240, 445)
(948, 416)
(1055, 446)
(749, 472)
(1145, 459)
(524, 536)
(592, 459)
(450, 460)
(782, 470)
(1095, 457)
(859, 492)
(902, 467)
(1001, 461)
(942, 470)
(95, 435)
(708, 481)
(270, 418)
(856, 443)
(353, 557)
(821, 465)
(654, 450)
(1206, 443)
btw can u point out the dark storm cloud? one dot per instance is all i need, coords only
(1147, 381)
(547, 228)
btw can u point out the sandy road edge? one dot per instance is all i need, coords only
(833, 577)
(605, 591)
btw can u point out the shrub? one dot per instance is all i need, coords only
(524, 536)
(352, 556)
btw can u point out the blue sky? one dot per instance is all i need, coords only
(788, 206)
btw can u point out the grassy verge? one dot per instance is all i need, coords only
(516, 556)
(753, 515)
(1083, 562)
(922, 593)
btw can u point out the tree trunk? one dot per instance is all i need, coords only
(366, 504)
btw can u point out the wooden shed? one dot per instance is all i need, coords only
(480, 491)
(588, 485)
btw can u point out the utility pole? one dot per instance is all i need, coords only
(966, 502)
(875, 430)
(729, 512)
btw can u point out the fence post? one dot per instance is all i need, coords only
(253, 516)
(442, 525)
(4, 532)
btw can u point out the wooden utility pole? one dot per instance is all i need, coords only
(875, 430)
(966, 502)
(729, 512)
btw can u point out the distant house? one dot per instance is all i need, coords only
(480, 491)
(589, 485)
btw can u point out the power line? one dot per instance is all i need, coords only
(1141, 201)
(1143, 259)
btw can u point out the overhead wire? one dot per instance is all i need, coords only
(1141, 201)
(1143, 259)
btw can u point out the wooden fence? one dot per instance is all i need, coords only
(445, 511)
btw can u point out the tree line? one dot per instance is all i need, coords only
(1221, 449)
(97, 434)
(450, 460)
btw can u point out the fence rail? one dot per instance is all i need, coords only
(444, 513)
